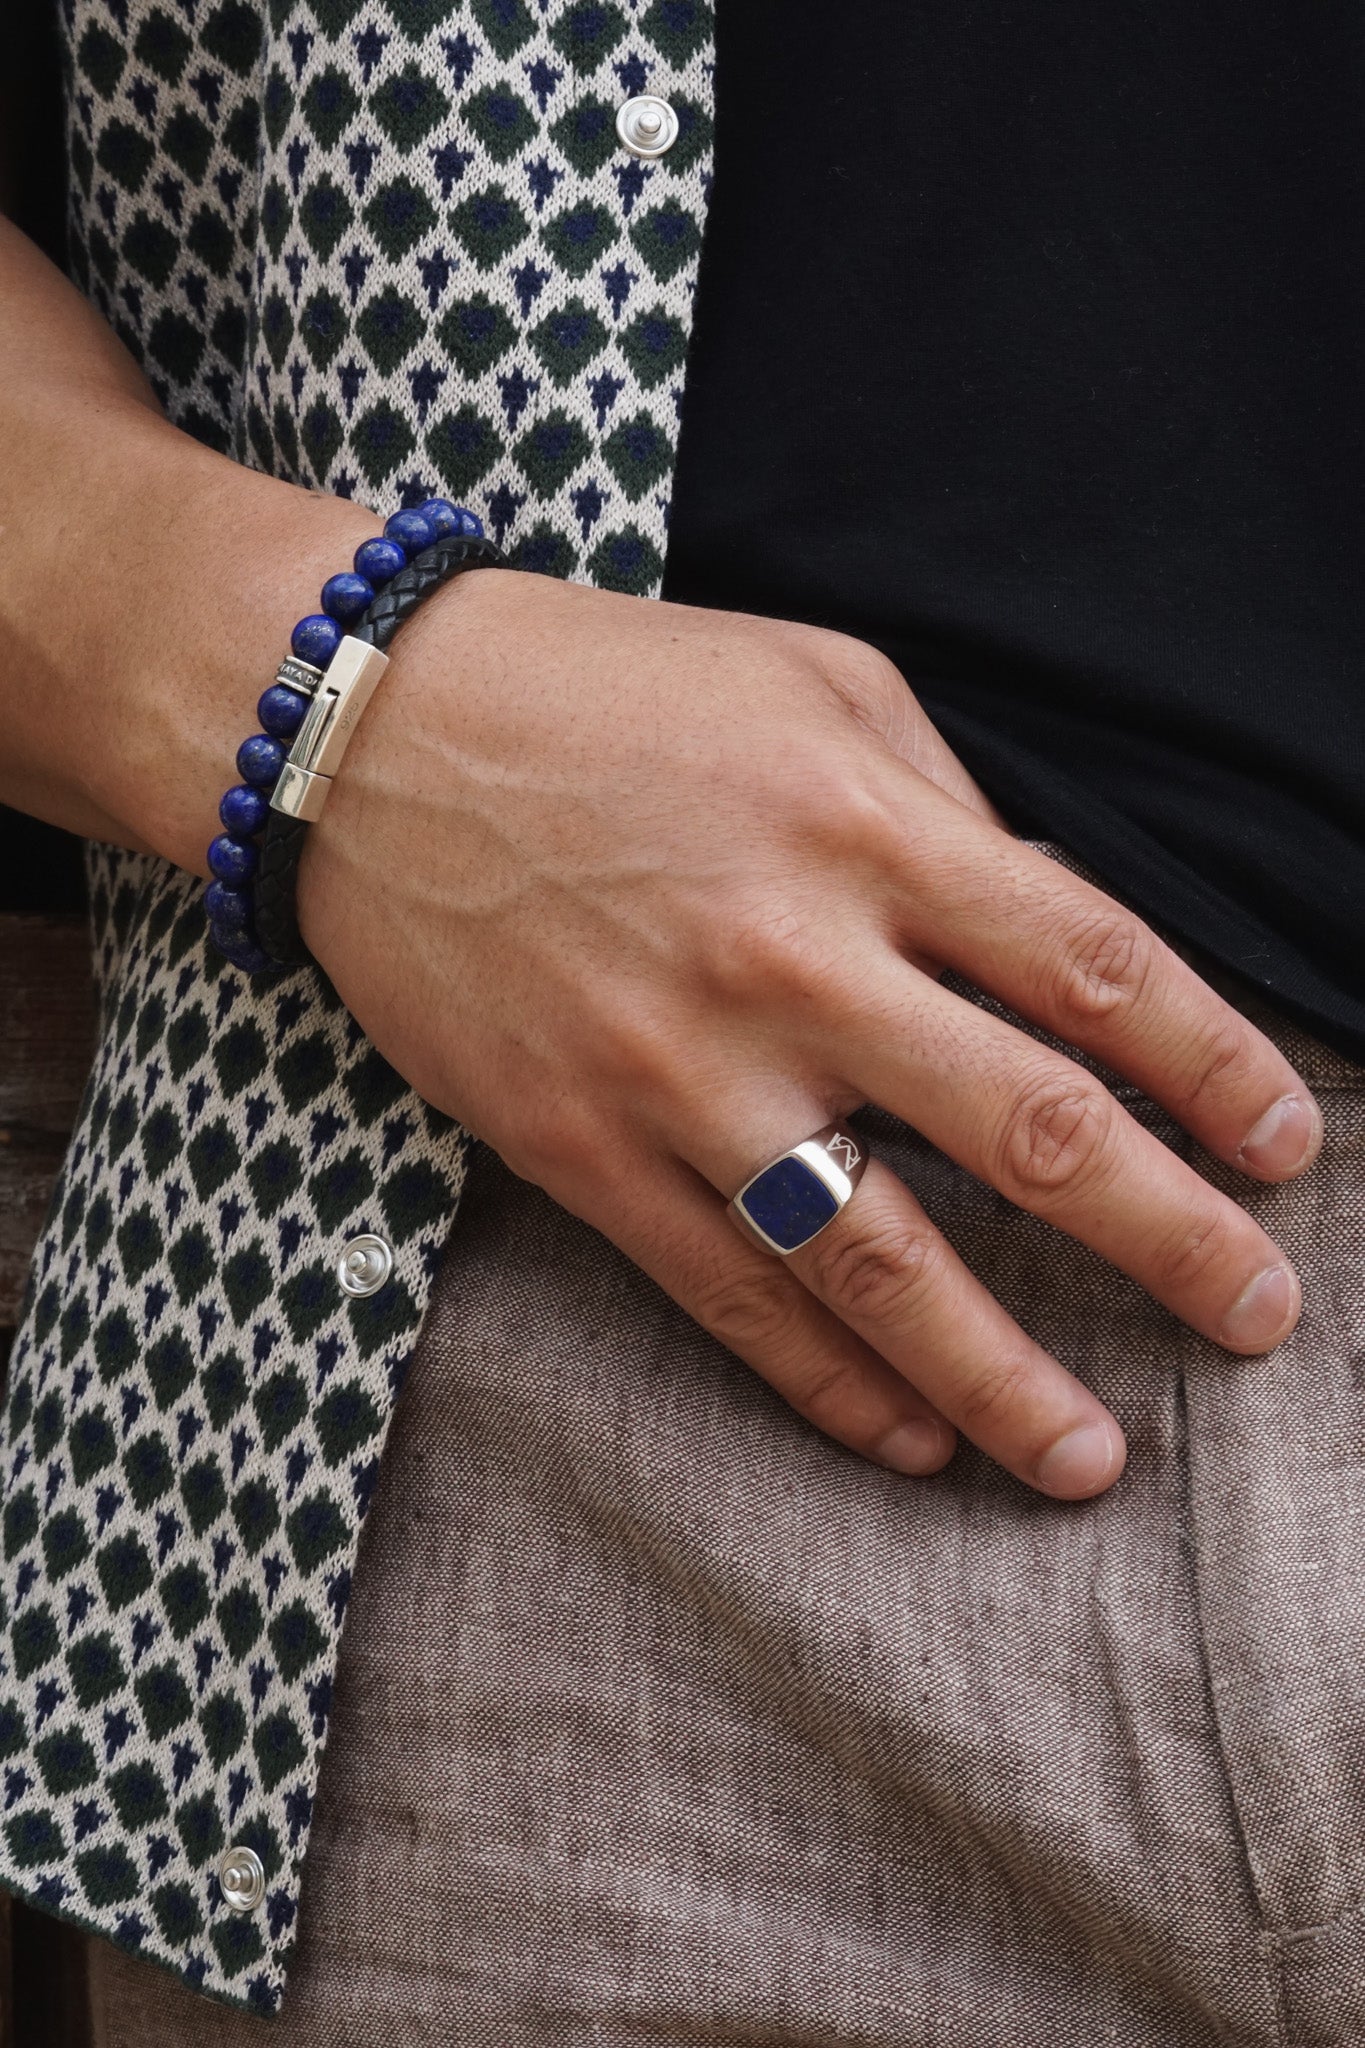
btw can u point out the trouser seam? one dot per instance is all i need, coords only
(1265, 1936)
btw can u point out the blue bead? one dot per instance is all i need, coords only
(411, 531)
(789, 1203)
(244, 953)
(229, 909)
(470, 523)
(442, 517)
(233, 860)
(244, 811)
(316, 639)
(259, 760)
(281, 710)
(379, 561)
(345, 597)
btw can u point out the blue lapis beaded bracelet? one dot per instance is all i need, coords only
(234, 856)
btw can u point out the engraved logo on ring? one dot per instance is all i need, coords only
(844, 1150)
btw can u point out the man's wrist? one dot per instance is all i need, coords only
(216, 607)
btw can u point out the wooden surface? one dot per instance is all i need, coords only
(47, 1036)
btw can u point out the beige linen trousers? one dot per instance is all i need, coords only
(661, 1719)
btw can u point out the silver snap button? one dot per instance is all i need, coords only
(241, 1879)
(647, 126)
(365, 1265)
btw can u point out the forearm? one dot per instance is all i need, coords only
(147, 584)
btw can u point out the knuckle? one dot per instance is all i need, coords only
(751, 1310)
(880, 1274)
(846, 663)
(826, 1389)
(864, 679)
(854, 820)
(635, 1052)
(769, 950)
(1221, 1055)
(1106, 959)
(1055, 1139)
(1195, 1249)
(993, 1397)
(865, 686)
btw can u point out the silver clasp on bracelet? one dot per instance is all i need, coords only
(338, 700)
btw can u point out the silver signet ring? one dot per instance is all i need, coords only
(792, 1199)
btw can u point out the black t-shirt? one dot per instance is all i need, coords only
(1030, 347)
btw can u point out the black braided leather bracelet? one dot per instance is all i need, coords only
(341, 695)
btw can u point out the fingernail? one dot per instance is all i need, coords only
(1260, 1315)
(916, 1447)
(1285, 1138)
(1080, 1463)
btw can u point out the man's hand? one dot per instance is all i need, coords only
(645, 895)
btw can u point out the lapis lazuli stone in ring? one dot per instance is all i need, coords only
(792, 1198)
(789, 1203)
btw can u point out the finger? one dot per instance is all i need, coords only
(674, 1227)
(1052, 1139)
(891, 1277)
(1075, 962)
